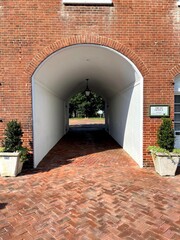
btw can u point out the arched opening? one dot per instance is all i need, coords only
(86, 109)
(113, 76)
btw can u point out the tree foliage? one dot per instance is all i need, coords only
(82, 106)
(166, 134)
(13, 135)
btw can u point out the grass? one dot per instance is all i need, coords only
(93, 118)
(77, 121)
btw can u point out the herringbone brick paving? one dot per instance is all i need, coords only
(88, 188)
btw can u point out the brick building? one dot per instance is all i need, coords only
(129, 50)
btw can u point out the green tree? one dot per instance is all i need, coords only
(13, 135)
(166, 134)
(82, 106)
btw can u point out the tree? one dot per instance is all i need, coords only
(82, 106)
(13, 135)
(166, 134)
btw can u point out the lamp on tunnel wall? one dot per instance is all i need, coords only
(87, 91)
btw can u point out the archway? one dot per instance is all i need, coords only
(111, 74)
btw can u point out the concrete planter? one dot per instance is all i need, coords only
(10, 164)
(165, 164)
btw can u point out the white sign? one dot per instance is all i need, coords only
(159, 110)
(100, 112)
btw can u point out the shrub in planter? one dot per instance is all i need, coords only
(165, 158)
(166, 135)
(13, 135)
(14, 154)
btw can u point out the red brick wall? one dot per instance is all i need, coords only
(148, 32)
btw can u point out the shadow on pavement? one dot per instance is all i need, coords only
(79, 141)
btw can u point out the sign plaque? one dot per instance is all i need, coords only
(159, 110)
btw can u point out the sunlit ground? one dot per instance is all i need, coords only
(84, 121)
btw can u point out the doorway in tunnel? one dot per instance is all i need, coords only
(112, 76)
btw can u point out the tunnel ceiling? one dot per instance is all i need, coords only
(65, 71)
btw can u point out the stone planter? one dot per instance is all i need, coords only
(165, 164)
(10, 164)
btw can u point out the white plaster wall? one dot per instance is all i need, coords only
(48, 120)
(126, 121)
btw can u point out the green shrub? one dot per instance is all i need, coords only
(12, 141)
(1, 149)
(155, 149)
(166, 135)
(176, 150)
(13, 135)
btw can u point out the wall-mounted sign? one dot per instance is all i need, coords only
(159, 111)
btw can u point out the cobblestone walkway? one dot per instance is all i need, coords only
(88, 188)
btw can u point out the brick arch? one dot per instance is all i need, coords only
(175, 71)
(66, 42)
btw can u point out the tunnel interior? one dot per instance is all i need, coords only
(111, 75)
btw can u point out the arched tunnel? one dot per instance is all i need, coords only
(111, 75)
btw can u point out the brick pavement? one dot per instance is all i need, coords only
(88, 188)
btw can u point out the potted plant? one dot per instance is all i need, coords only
(164, 156)
(12, 154)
